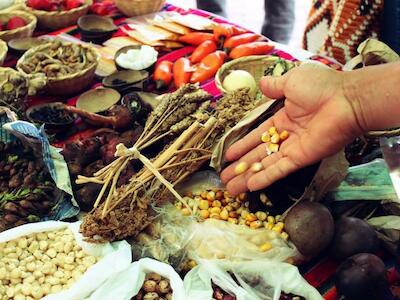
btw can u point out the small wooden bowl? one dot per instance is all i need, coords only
(35, 114)
(122, 80)
(125, 49)
(96, 29)
(21, 45)
(98, 100)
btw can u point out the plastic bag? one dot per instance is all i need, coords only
(215, 239)
(115, 258)
(128, 283)
(256, 280)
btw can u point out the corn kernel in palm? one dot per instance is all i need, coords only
(257, 167)
(272, 130)
(273, 148)
(284, 135)
(285, 236)
(265, 137)
(265, 247)
(241, 167)
(275, 138)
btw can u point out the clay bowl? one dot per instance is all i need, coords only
(98, 100)
(96, 29)
(127, 80)
(20, 45)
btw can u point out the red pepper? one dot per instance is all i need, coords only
(15, 22)
(71, 4)
(182, 71)
(208, 66)
(163, 74)
(223, 31)
(196, 38)
(255, 48)
(202, 51)
(240, 39)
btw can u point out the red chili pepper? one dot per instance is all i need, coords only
(223, 31)
(163, 74)
(255, 48)
(196, 38)
(240, 39)
(202, 51)
(71, 4)
(208, 66)
(15, 22)
(182, 71)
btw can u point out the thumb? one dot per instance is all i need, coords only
(273, 87)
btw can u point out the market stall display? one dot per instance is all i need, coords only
(132, 130)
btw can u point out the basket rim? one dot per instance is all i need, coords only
(226, 66)
(80, 73)
(31, 18)
(43, 13)
(3, 50)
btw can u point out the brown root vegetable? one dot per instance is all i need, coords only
(15, 181)
(353, 236)
(151, 296)
(15, 209)
(310, 227)
(149, 286)
(163, 287)
(119, 118)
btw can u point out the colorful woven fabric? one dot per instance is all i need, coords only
(336, 27)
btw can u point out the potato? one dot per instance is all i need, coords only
(363, 276)
(310, 227)
(353, 236)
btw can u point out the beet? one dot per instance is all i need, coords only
(353, 236)
(363, 276)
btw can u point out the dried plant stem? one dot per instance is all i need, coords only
(170, 166)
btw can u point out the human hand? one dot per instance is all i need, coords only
(317, 115)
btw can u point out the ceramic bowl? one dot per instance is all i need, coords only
(98, 100)
(96, 29)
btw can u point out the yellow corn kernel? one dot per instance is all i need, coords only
(285, 236)
(251, 217)
(277, 229)
(233, 214)
(233, 220)
(219, 195)
(255, 224)
(229, 208)
(203, 204)
(272, 130)
(278, 218)
(275, 138)
(244, 214)
(242, 197)
(215, 216)
(211, 196)
(263, 198)
(265, 247)
(241, 167)
(262, 216)
(265, 137)
(257, 167)
(204, 213)
(186, 212)
(269, 226)
(203, 195)
(284, 135)
(273, 148)
(215, 210)
(224, 214)
(242, 222)
(271, 219)
(280, 224)
(216, 203)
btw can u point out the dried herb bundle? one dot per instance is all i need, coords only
(128, 211)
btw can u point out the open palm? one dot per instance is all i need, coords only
(317, 115)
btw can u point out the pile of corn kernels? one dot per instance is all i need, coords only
(220, 205)
(39, 264)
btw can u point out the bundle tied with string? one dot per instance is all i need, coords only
(127, 209)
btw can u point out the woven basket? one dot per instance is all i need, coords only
(133, 8)
(3, 52)
(59, 19)
(69, 84)
(255, 65)
(25, 31)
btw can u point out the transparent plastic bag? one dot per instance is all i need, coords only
(115, 257)
(256, 280)
(127, 284)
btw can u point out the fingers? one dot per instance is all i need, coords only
(273, 87)
(274, 172)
